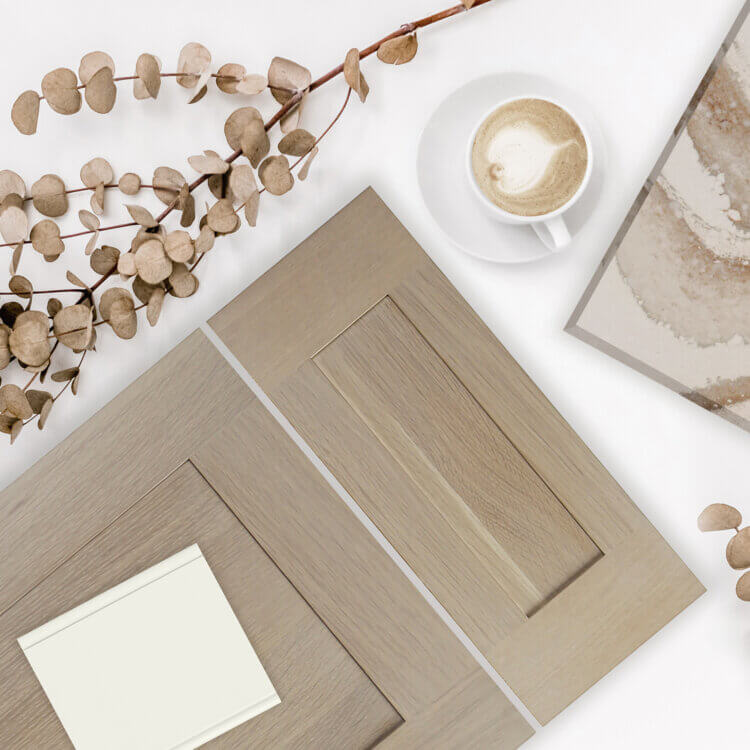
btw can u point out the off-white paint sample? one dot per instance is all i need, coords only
(159, 662)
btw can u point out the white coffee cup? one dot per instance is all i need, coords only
(550, 227)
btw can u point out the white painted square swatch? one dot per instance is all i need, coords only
(159, 662)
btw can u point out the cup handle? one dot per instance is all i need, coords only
(553, 233)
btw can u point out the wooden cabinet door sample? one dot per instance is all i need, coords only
(456, 456)
(185, 455)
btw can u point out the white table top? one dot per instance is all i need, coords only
(638, 63)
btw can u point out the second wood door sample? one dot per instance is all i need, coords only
(456, 456)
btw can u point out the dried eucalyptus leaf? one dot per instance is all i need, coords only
(251, 208)
(15, 260)
(97, 171)
(89, 220)
(92, 63)
(53, 306)
(167, 184)
(151, 262)
(252, 84)
(353, 74)
(25, 112)
(126, 265)
(718, 517)
(11, 184)
(101, 91)
(182, 283)
(188, 211)
(130, 183)
(48, 195)
(14, 224)
(63, 376)
(275, 175)
(74, 384)
(59, 88)
(228, 76)
(75, 281)
(193, 62)
(291, 120)
(738, 550)
(201, 90)
(109, 297)
(15, 430)
(104, 259)
(285, 77)
(399, 50)
(141, 215)
(10, 311)
(21, 286)
(44, 413)
(5, 354)
(148, 70)
(6, 423)
(179, 246)
(254, 142)
(242, 182)
(13, 401)
(743, 587)
(28, 341)
(37, 399)
(218, 184)
(205, 240)
(221, 217)
(122, 317)
(209, 163)
(297, 143)
(73, 327)
(45, 238)
(155, 303)
(305, 169)
(236, 123)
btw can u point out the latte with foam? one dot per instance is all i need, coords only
(529, 157)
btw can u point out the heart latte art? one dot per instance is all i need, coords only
(529, 157)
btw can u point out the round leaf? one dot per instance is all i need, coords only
(11, 184)
(718, 517)
(179, 246)
(254, 142)
(96, 172)
(297, 143)
(148, 70)
(73, 326)
(399, 50)
(13, 401)
(228, 76)
(743, 587)
(25, 112)
(738, 549)
(236, 123)
(29, 338)
(48, 194)
(101, 91)
(193, 62)
(275, 175)
(92, 63)
(353, 74)
(45, 239)
(130, 183)
(59, 88)
(152, 262)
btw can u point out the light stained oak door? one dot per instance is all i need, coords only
(456, 456)
(187, 455)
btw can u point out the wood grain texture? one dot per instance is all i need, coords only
(473, 714)
(85, 483)
(327, 701)
(432, 426)
(333, 560)
(415, 407)
(591, 626)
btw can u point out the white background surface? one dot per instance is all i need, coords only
(638, 63)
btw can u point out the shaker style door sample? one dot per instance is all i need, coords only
(357, 656)
(456, 456)
(159, 660)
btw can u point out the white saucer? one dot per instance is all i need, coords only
(441, 168)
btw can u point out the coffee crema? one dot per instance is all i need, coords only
(529, 157)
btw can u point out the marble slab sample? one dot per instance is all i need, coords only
(672, 296)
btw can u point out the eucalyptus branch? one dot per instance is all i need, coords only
(159, 263)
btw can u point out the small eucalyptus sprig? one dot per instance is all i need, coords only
(160, 262)
(722, 517)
